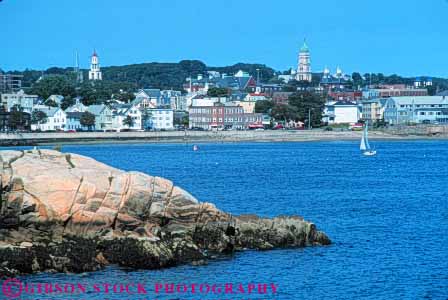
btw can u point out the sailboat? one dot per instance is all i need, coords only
(365, 146)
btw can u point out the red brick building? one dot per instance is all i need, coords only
(345, 95)
(221, 116)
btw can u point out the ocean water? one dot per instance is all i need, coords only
(386, 215)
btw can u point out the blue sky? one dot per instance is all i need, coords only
(389, 36)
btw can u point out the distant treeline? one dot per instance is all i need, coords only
(152, 75)
(173, 75)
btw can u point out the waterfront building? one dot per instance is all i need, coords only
(341, 112)
(95, 71)
(74, 122)
(248, 106)
(19, 99)
(56, 119)
(222, 116)
(103, 116)
(373, 110)
(304, 64)
(147, 98)
(415, 110)
(172, 99)
(121, 112)
(160, 119)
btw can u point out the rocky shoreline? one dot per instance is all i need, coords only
(62, 212)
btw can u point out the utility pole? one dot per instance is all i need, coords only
(309, 118)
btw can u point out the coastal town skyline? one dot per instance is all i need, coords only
(348, 40)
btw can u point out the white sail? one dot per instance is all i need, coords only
(363, 146)
(364, 141)
(366, 138)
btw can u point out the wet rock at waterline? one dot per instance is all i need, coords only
(65, 212)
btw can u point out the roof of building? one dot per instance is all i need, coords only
(238, 96)
(381, 101)
(231, 82)
(409, 100)
(57, 98)
(344, 103)
(49, 111)
(76, 106)
(96, 109)
(153, 93)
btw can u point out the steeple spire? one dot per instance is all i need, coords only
(95, 72)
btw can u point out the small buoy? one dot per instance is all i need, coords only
(195, 148)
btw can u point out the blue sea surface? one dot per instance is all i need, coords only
(386, 215)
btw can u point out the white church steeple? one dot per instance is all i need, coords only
(95, 72)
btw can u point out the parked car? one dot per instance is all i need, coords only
(357, 127)
(278, 127)
(197, 129)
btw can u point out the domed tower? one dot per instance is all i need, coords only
(326, 73)
(95, 72)
(339, 73)
(304, 64)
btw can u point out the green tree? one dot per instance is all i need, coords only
(128, 121)
(284, 112)
(124, 96)
(67, 102)
(51, 103)
(146, 117)
(87, 119)
(357, 79)
(308, 103)
(16, 118)
(263, 106)
(53, 85)
(432, 90)
(217, 92)
(38, 117)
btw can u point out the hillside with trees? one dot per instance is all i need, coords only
(150, 75)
